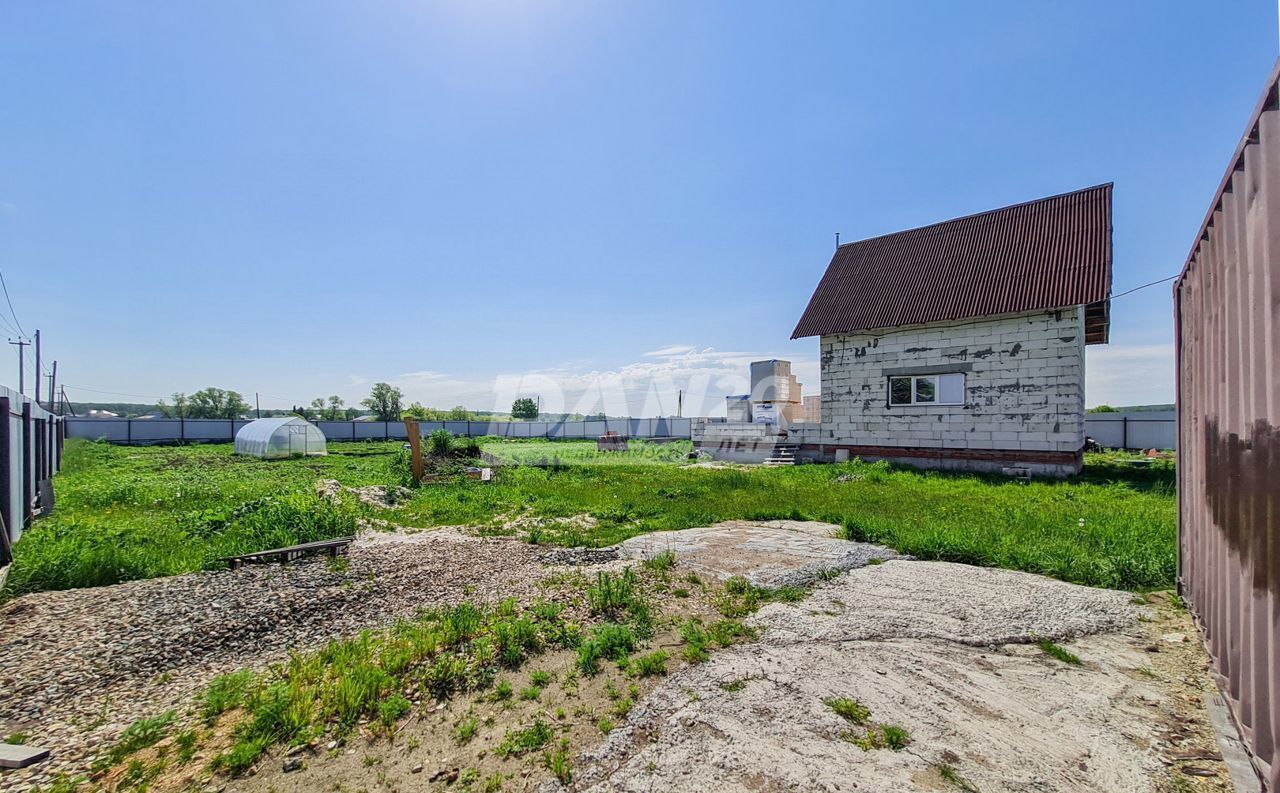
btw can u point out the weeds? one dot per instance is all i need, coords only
(607, 641)
(655, 663)
(517, 743)
(138, 736)
(850, 710)
(950, 775)
(465, 730)
(1058, 651)
(441, 652)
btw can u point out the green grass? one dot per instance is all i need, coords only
(127, 513)
(363, 678)
(537, 451)
(1058, 651)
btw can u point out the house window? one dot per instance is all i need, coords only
(932, 389)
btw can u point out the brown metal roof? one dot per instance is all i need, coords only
(1045, 254)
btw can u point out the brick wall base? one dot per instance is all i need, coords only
(1041, 463)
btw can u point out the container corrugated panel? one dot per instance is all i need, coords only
(1227, 302)
(1045, 254)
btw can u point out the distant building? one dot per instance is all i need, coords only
(811, 410)
(961, 344)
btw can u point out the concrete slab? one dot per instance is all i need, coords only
(767, 553)
(18, 756)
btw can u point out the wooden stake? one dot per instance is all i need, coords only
(415, 448)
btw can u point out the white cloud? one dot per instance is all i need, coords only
(649, 387)
(1135, 374)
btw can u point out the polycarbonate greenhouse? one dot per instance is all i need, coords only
(280, 437)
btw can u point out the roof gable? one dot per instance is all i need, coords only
(1045, 254)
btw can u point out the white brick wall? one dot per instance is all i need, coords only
(1024, 384)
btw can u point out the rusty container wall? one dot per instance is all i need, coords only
(1227, 303)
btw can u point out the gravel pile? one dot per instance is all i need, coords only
(81, 665)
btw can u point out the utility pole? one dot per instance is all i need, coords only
(66, 403)
(257, 404)
(22, 377)
(680, 403)
(38, 369)
(53, 390)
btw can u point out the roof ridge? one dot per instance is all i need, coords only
(973, 215)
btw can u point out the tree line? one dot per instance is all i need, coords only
(385, 402)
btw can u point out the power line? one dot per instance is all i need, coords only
(1144, 286)
(10, 302)
(112, 393)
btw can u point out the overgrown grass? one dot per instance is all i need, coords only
(137, 512)
(364, 678)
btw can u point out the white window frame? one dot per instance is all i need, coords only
(937, 389)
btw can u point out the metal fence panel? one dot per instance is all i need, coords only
(1140, 430)
(147, 431)
(30, 451)
(1227, 310)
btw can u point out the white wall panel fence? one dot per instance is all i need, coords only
(1141, 430)
(157, 431)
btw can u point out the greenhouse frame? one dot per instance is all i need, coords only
(285, 436)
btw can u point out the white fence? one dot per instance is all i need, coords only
(160, 431)
(30, 452)
(1141, 430)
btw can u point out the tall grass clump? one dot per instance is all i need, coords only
(364, 678)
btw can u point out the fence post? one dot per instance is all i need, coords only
(62, 439)
(182, 429)
(1124, 432)
(27, 514)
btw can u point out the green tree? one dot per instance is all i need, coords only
(415, 411)
(352, 412)
(1103, 409)
(458, 413)
(207, 403)
(334, 411)
(384, 401)
(524, 408)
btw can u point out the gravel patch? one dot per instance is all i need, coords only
(580, 556)
(81, 665)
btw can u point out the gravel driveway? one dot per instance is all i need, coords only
(81, 665)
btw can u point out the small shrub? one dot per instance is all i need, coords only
(541, 678)
(734, 685)
(530, 693)
(440, 443)
(502, 691)
(605, 725)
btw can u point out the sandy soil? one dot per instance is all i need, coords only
(943, 651)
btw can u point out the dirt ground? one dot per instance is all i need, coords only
(948, 653)
(945, 652)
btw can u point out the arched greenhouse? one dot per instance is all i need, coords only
(280, 437)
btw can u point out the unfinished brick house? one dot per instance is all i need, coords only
(961, 344)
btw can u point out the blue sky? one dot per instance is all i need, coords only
(475, 199)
